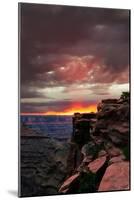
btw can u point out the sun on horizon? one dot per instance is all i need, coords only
(68, 111)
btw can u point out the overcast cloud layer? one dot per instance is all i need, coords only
(71, 54)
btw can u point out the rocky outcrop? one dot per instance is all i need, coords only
(82, 125)
(96, 159)
(112, 125)
(95, 165)
(74, 158)
(70, 181)
(103, 139)
(116, 177)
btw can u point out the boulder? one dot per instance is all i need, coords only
(116, 177)
(95, 165)
(83, 182)
(67, 183)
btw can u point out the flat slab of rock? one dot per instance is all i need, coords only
(68, 182)
(116, 177)
(97, 164)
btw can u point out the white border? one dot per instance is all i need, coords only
(9, 97)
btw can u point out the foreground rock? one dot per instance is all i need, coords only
(113, 122)
(103, 139)
(116, 177)
(70, 181)
(95, 165)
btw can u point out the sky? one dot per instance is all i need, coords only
(71, 57)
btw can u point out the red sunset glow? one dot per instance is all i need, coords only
(72, 56)
(68, 111)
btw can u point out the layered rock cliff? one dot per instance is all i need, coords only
(96, 159)
(43, 163)
(103, 143)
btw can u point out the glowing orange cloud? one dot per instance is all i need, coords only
(69, 111)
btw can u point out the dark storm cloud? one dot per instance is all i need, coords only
(29, 92)
(57, 36)
(102, 89)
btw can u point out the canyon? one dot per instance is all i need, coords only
(95, 159)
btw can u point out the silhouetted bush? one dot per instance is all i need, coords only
(125, 96)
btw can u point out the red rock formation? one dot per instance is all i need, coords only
(116, 177)
(67, 184)
(105, 148)
(95, 165)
